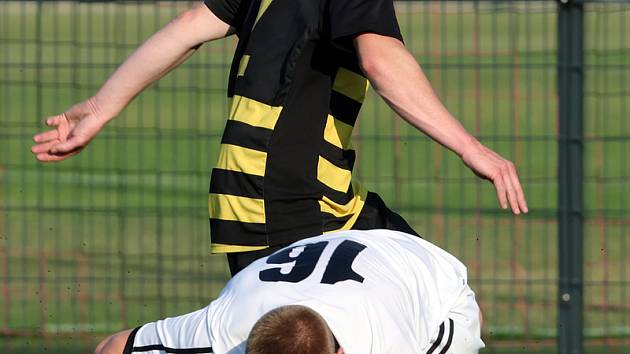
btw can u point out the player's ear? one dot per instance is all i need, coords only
(340, 351)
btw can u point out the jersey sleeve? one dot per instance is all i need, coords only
(348, 18)
(228, 11)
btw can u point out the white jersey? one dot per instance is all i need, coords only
(380, 292)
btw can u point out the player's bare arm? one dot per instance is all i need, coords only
(158, 55)
(114, 344)
(398, 78)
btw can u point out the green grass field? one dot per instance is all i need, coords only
(118, 235)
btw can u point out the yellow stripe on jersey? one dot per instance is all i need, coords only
(353, 207)
(242, 66)
(264, 5)
(350, 84)
(334, 177)
(234, 208)
(254, 113)
(221, 248)
(337, 132)
(241, 159)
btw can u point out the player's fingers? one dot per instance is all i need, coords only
(68, 146)
(500, 187)
(54, 120)
(520, 195)
(47, 157)
(46, 136)
(510, 192)
(52, 157)
(44, 147)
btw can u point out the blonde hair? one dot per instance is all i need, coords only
(291, 329)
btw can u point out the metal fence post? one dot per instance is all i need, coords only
(570, 175)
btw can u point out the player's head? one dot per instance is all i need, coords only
(290, 330)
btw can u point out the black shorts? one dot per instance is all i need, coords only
(374, 215)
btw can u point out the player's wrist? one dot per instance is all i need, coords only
(468, 145)
(100, 110)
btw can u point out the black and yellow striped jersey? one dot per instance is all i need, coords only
(284, 170)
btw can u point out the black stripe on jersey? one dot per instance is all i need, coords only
(450, 337)
(344, 108)
(438, 340)
(148, 348)
(238, 233)
(337, 196)
(292, 210)
(132, 337)
(236, 183)
(332, 223)
(338, 157)
(245, 135)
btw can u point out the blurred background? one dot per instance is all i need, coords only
(118, 235)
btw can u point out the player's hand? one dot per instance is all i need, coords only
(73, 130)
(489, 165)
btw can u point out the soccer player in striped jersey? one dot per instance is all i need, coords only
(355, 292)
(299, 76)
